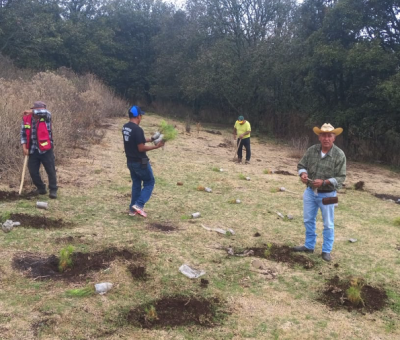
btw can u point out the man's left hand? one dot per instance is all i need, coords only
(317, 183)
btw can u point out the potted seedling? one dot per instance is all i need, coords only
(65, 258)
(166, 131)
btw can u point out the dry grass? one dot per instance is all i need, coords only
(299, 147)
(78, 105)
(95, 195)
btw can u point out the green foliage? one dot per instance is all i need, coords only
(151, 313)
(396, 221)
(65, 260)
(168, 131)
(81, 292)
(241, 176)
(395, 301)
(215, 169)
(353, 293)
(5, 216)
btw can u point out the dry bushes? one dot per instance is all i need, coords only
(77, 104)
(299, 147)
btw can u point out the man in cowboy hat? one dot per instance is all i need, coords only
(242, 128)
(323, 170)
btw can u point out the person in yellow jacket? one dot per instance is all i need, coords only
(242, 130)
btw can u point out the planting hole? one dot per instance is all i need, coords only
(176, 311)
(39, 222)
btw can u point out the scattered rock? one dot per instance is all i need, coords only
(352, 240)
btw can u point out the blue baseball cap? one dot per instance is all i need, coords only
(135, 111)
(240, 119)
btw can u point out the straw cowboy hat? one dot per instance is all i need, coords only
(327, 128)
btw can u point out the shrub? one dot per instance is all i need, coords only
(81, 292)
(65, 258)
(353, 293)
(397, 221)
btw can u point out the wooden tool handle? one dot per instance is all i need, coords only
(23, 174)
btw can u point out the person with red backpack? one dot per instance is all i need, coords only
(37, 143)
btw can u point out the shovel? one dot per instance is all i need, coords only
(23, 175)
(237, 148)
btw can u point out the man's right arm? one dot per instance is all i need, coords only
(302, 168)
(144, 148)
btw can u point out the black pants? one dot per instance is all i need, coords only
(47, 159)
(246, 144)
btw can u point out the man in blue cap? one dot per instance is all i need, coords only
(242, 130)
(138, 162)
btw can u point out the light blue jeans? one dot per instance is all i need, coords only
(139, 174)
(312, 203)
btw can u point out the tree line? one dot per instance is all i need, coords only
(286, 66)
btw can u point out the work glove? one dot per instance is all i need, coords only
(155, 136)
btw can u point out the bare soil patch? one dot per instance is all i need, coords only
(283, 172)
(14, 196)
(40, 222)
(334, 296)
(174, 311)
(46, 267)
(282, 253)
(388, 197)
(162, 227)
(138, 272)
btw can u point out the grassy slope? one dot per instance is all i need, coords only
(94, 194)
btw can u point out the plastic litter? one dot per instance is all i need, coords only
(247, 178)
(280, 215)
(221, 170)
(238, 201)
(284, 189)
(219, 230)
(159, 139)
(208, 189)
(352, 240)
(196, 215)
(8, 225)
(103, 287)
(42, 205)
(191, 272)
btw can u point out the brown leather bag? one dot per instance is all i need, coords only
(330, 200)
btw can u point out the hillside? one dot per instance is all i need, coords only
(239, 298)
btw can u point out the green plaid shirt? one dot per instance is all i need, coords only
(332, 166)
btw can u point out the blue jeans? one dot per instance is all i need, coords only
(139, 174)
(310, 210)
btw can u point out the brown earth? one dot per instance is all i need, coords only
(174, 311)
(282, 253)
(334, 296)
(14, 196)
(162, 227)
(43, 267)
(39, 222)
(138, 272)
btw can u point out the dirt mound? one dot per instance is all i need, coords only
(39, 222)
(284, 254)
(46, 267)
(334, 296)
(283, 172)
(386, 197)
(13, 196)
(162, 227)
(176, 311)
(138, 272)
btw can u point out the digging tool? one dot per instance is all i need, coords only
(23, 174)
(237, 148)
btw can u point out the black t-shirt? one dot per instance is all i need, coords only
(133, 135)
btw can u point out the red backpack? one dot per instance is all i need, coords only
(42, 134)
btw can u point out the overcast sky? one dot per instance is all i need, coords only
(181, 2)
